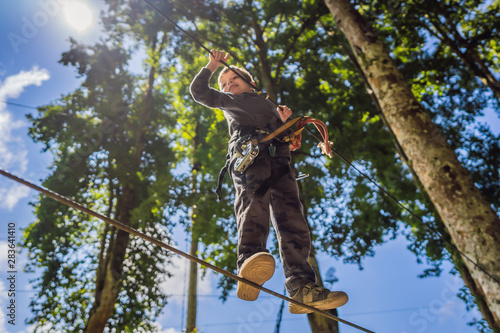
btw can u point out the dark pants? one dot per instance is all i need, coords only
(281, 202)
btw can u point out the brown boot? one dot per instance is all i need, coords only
(258, 268)
(318, 297)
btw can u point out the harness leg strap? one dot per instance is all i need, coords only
(222, 173)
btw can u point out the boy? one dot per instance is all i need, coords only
(265, 189)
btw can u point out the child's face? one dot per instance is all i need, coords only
(232, 83)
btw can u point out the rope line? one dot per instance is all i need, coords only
(132, 231)
(20, 105)
(203, 46)
(415, 216)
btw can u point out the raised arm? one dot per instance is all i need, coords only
(200, 87)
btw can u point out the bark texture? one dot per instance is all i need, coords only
(108, 288)
(192, 304)
(471, 222)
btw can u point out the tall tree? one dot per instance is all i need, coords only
(195, 235)
(473, 225)
(105, 140)
(446, 86)
(111, 259)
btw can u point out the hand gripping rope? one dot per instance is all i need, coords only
(132, 231)
(295, 137)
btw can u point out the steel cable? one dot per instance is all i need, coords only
(132, 231)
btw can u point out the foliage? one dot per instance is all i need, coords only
(93, 134)
(302, 60)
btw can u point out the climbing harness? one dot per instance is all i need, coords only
(246, 149)
(132, 231)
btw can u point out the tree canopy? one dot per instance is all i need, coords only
(131, 144)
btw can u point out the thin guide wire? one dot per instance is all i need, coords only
(415, 216)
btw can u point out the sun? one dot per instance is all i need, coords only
(78, 14)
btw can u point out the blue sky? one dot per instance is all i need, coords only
(386, 296)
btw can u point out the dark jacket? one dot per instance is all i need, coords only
(247, 109)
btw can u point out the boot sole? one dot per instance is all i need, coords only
(340, 298)
(258, 268)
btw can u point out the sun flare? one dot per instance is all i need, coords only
(78, 15)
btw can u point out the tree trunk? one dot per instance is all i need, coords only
(104, 303)
(108, 282)
(193, 287)
(471, 222)
(265, 67)
(319, 323)
(193, 266)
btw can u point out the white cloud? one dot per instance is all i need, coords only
(14, 85)
(9, 145)
(14, 156)
(160, 329)
(9, 197)
(177, 284)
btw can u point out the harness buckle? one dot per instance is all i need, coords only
(247, 150)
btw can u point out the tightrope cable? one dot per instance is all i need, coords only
(415, 216)
(132, 231)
